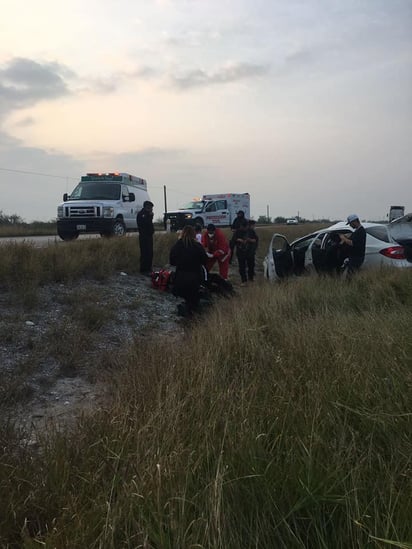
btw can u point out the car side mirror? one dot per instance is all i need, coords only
(65, 197)
(132, 197)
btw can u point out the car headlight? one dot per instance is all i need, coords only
(188, 216)
(108, 211)
(59, 211)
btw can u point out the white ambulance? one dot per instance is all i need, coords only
(105, 203)
(219, 209)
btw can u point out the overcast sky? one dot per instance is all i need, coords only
(305, 104)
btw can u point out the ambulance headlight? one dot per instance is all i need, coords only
(59, 212)
(108, 211)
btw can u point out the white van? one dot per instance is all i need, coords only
(105, 203)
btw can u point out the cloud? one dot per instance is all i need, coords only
(223, 75)
(14, 154)
(114, 81)
(25, 122)
(32, 179)
(192, 38)
(24, 82)
(149, 156)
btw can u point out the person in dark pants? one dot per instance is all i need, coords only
(189, 257)
(146, 230)
(246, 241)
(237, 222)
(356, 244)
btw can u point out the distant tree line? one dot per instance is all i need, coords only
(279, 220)
(13, 219)
(14, 225)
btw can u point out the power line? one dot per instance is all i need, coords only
(38, 173)
(66, 178)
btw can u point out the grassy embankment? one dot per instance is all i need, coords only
(37, 228)
(282, 420)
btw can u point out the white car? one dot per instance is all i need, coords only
(292, 221)
(386, 245)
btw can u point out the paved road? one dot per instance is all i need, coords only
(41, 241)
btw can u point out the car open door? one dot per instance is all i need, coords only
(400, 230)
(302, 255)
(401, 227)
(326, 253)
(278, 262)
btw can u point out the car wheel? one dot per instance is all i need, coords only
(68, 235)
(199, 221)
(118, 228)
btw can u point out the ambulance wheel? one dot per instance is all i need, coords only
(118, 228)
(68, 236)
(199, 221)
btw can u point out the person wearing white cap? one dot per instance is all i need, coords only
(356, 244)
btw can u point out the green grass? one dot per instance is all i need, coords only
(282, 419)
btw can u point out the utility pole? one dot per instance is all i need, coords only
(166, 222)
(267, 213)
(165, 198)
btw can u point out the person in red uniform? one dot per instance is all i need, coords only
(217, 249)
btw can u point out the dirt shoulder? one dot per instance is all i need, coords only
(53, 352)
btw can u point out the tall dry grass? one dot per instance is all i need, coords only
(27, 229)
(283, 419)
(23, 267)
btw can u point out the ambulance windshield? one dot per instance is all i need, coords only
(96, 191)
(197, 205)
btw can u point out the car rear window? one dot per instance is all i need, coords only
(379, 232)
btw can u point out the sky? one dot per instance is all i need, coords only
(305, 104)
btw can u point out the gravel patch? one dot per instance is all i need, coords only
(49, 353)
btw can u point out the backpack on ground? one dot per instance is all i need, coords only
(161, 279)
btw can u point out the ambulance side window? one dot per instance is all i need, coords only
(125, 193)
(211, 207)
(221, 205)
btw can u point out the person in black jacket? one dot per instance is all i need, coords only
(246, 241)
(237, 223)
(146, 230)
(189, 257)
(356, 244)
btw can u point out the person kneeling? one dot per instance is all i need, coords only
(189, 257)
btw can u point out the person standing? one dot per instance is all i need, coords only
(198, 231)
(356, 244)
(237, 223)
(246, 241)
(189, 257)
(217, 249)
(146, 230)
